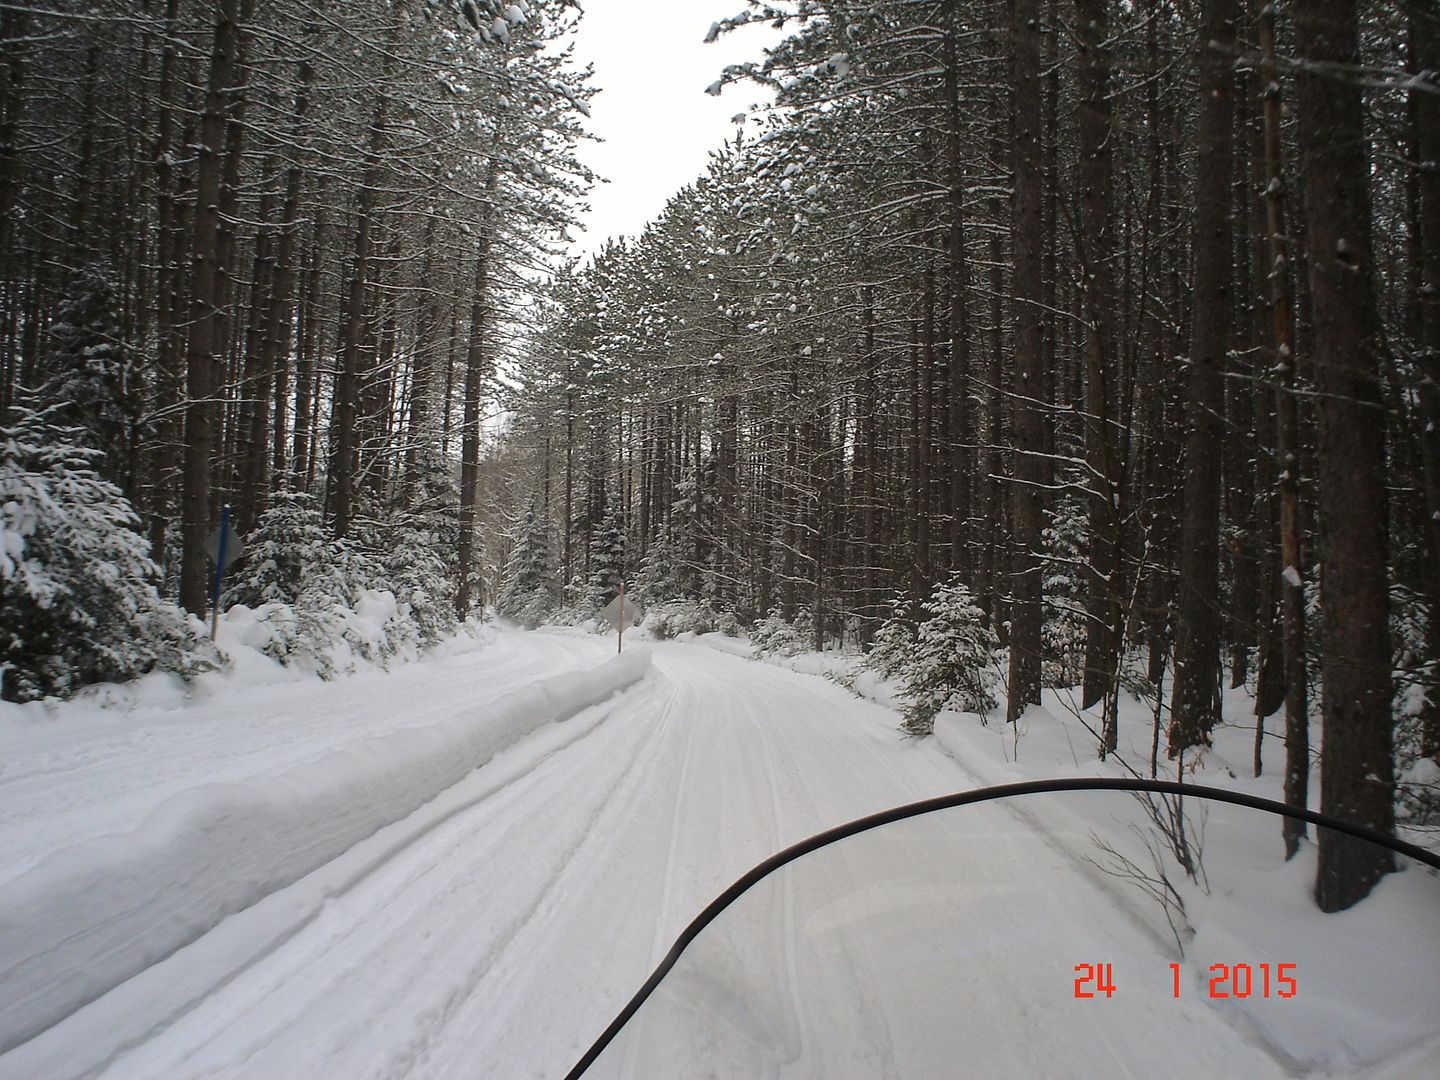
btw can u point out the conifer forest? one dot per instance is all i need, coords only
(1099, 336)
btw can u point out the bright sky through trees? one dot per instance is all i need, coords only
(652, 66)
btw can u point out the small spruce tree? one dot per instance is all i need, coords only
(287, 552)
(1063, 631)
(607, 557)
(662, 572)
(949, 666)
(529, 590)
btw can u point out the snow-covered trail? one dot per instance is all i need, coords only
(521, 910)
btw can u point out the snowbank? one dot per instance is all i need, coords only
(89, 917)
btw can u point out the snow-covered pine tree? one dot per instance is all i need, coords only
(95, 385)
(607, 556)
(286, 553)
(75, 576)
(949, 666)
(529, 590)
(1065, 539)
(420, 580)
(894, 643)
(662, 572)
(409, 539)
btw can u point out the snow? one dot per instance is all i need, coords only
(415, 872)
(91, 915)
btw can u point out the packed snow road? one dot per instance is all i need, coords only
(496, 930)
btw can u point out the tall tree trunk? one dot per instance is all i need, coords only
(1425, 113)
(166, 427)
(961, 422)
(422, 375)
(1287, 424)
(343, 416)
(203, 354)
(1030, 377)
(253, 405)
(1095, 241)
(1195, 696)
(279, 330)
(476, 361)
(1356, 763)
(307, 380)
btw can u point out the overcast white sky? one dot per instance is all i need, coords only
(652, 67)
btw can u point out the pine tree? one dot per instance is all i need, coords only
(75, 576)
(529, 590)
(96, 385)
(1064, 631)
(949, 665)
(662, 572)
(607, 557)
(287, 553)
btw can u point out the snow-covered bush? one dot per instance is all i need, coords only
(687, 616)
(574, 607)
(423, 592)
(75, 577)
(662, 575)
(325, 603)
(773, 634)
(727, 622)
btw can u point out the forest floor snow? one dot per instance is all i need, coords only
(484, 884)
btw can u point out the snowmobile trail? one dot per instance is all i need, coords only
(503, 936)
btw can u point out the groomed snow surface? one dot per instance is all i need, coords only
(465, 866)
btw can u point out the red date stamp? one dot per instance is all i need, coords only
(1225, 981)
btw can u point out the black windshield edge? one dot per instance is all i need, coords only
(963, 798)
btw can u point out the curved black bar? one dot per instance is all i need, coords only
(963, 798)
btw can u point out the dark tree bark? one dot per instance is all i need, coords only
(307, 389)
(253, 408)
(1194, 701)
(1030, 393)
(204, 352)
(278, 330)
(1287, 423)
(1356, 763)
(476, 368)
(1095, 241)
(1425, 117)
(167, 426)
(961, 422)
(344, 410)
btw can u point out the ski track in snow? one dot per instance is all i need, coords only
(501, 932)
